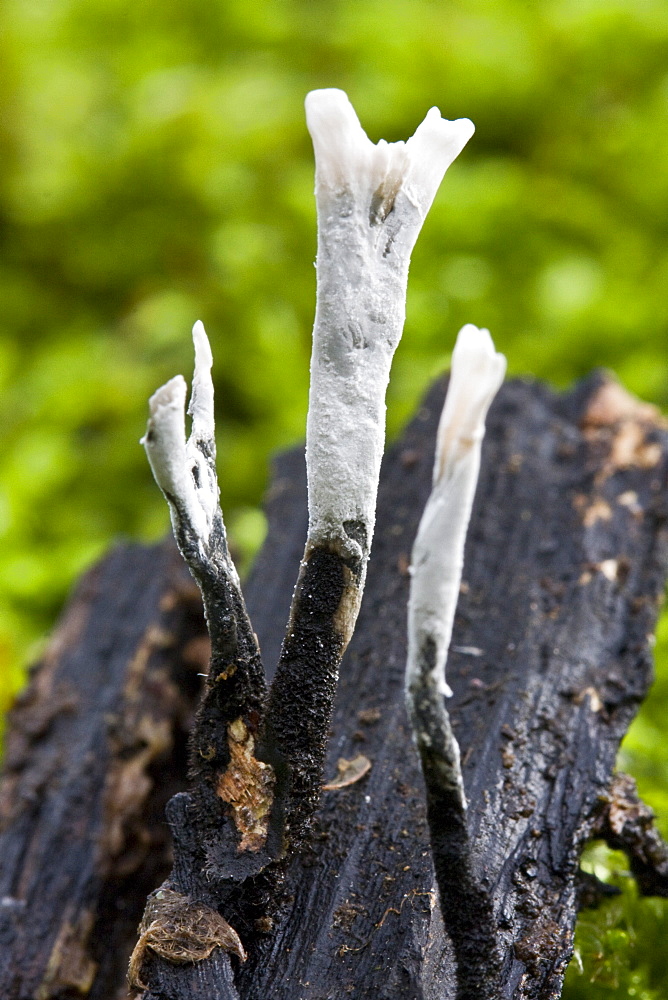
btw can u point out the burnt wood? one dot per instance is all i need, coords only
(96, 745)
(565, 564)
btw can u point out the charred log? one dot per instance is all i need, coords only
(564, 569)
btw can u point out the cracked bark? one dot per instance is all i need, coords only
(549, 661)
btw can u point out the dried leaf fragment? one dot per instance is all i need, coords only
(180, 931)
(349, 772)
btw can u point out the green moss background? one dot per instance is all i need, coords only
(155, 169)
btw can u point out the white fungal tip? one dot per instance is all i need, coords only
(346, 158)
(475, 357)
(437, 142)
(201, 399)
(340, 143)
(165, 438)
(477, 371)
(445, 136)
(203, 355)
(330, 105)
(170, 396)
(458, 131)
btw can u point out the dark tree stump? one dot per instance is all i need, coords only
(565, 564)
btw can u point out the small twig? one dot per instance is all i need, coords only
(626, 824)
(344, 949)
(408, 895)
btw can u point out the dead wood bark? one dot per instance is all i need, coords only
(96, 745)
(565, 563)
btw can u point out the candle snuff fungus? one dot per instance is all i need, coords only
(476, 375)
(253, 810)
(372, 200)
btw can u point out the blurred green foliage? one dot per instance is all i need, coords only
(620, 947)
(155, 169)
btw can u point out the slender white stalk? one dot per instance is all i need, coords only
(438, 552)
(371, 201)
(477, 372)
(185, 470)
